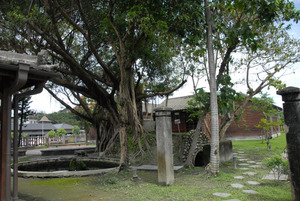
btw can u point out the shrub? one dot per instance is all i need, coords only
(277, 165)
(61, 132)
(51, 133)
(75, 130)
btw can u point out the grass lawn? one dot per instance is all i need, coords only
(190, 184)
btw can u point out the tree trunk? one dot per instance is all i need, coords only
(189, 160)
(126, 114)
(214, 141)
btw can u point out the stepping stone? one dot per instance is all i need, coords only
(224, 195)
(271, 176)
(254, 166)
(239, 157)
(253, 183)
(250, 173)
(243, 159)
(258, 163)
(251, 162)
(239, 177)
(241, 152)
(244, 168)
(250, 191)
(237, 185)
(243, 164)
(232, 200)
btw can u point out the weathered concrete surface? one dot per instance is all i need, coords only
(155, 168)
(291, 110)
(164, 146)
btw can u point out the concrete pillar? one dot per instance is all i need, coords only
(291, 110)
(164, 146)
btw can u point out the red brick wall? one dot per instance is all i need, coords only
(245, 126)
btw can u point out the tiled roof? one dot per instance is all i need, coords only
(64, 126)
(36, 127)
(179, 103)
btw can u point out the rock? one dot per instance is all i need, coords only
(239, 177)
(224, 195)
(250, 173)
(237, 185)
(253, 183)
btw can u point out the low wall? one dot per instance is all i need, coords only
(66, 151)
(202, 158)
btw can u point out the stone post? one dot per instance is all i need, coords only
(291, 110)
(164, 146)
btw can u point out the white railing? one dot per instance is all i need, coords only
(32, 141)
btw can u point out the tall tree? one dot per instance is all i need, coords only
(24, 112)
(214, 125)
(101, 44)
(240, 25)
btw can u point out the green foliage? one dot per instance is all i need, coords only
(77, 165)
(61, 117)
(75, 130)
(199, 104)
(111, 181)
(265, 105)
(227, 98)
(277, 165)
(61, 132)
(24, 135)
(51, 133)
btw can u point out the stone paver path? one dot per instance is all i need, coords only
(244, 164)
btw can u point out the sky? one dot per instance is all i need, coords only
(44, 102)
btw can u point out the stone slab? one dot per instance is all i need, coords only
(250, 191)
(224, 195)
(254, 166)
(243, 164)
(255, 183)
(237, 185)
(155, 168)
(239, 177)
(282, 177)
(251, 162)
(244, 168)
(243, 159)
(250, 173)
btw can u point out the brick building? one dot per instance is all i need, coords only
(244, 128)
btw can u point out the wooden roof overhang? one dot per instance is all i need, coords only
(17, 72)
